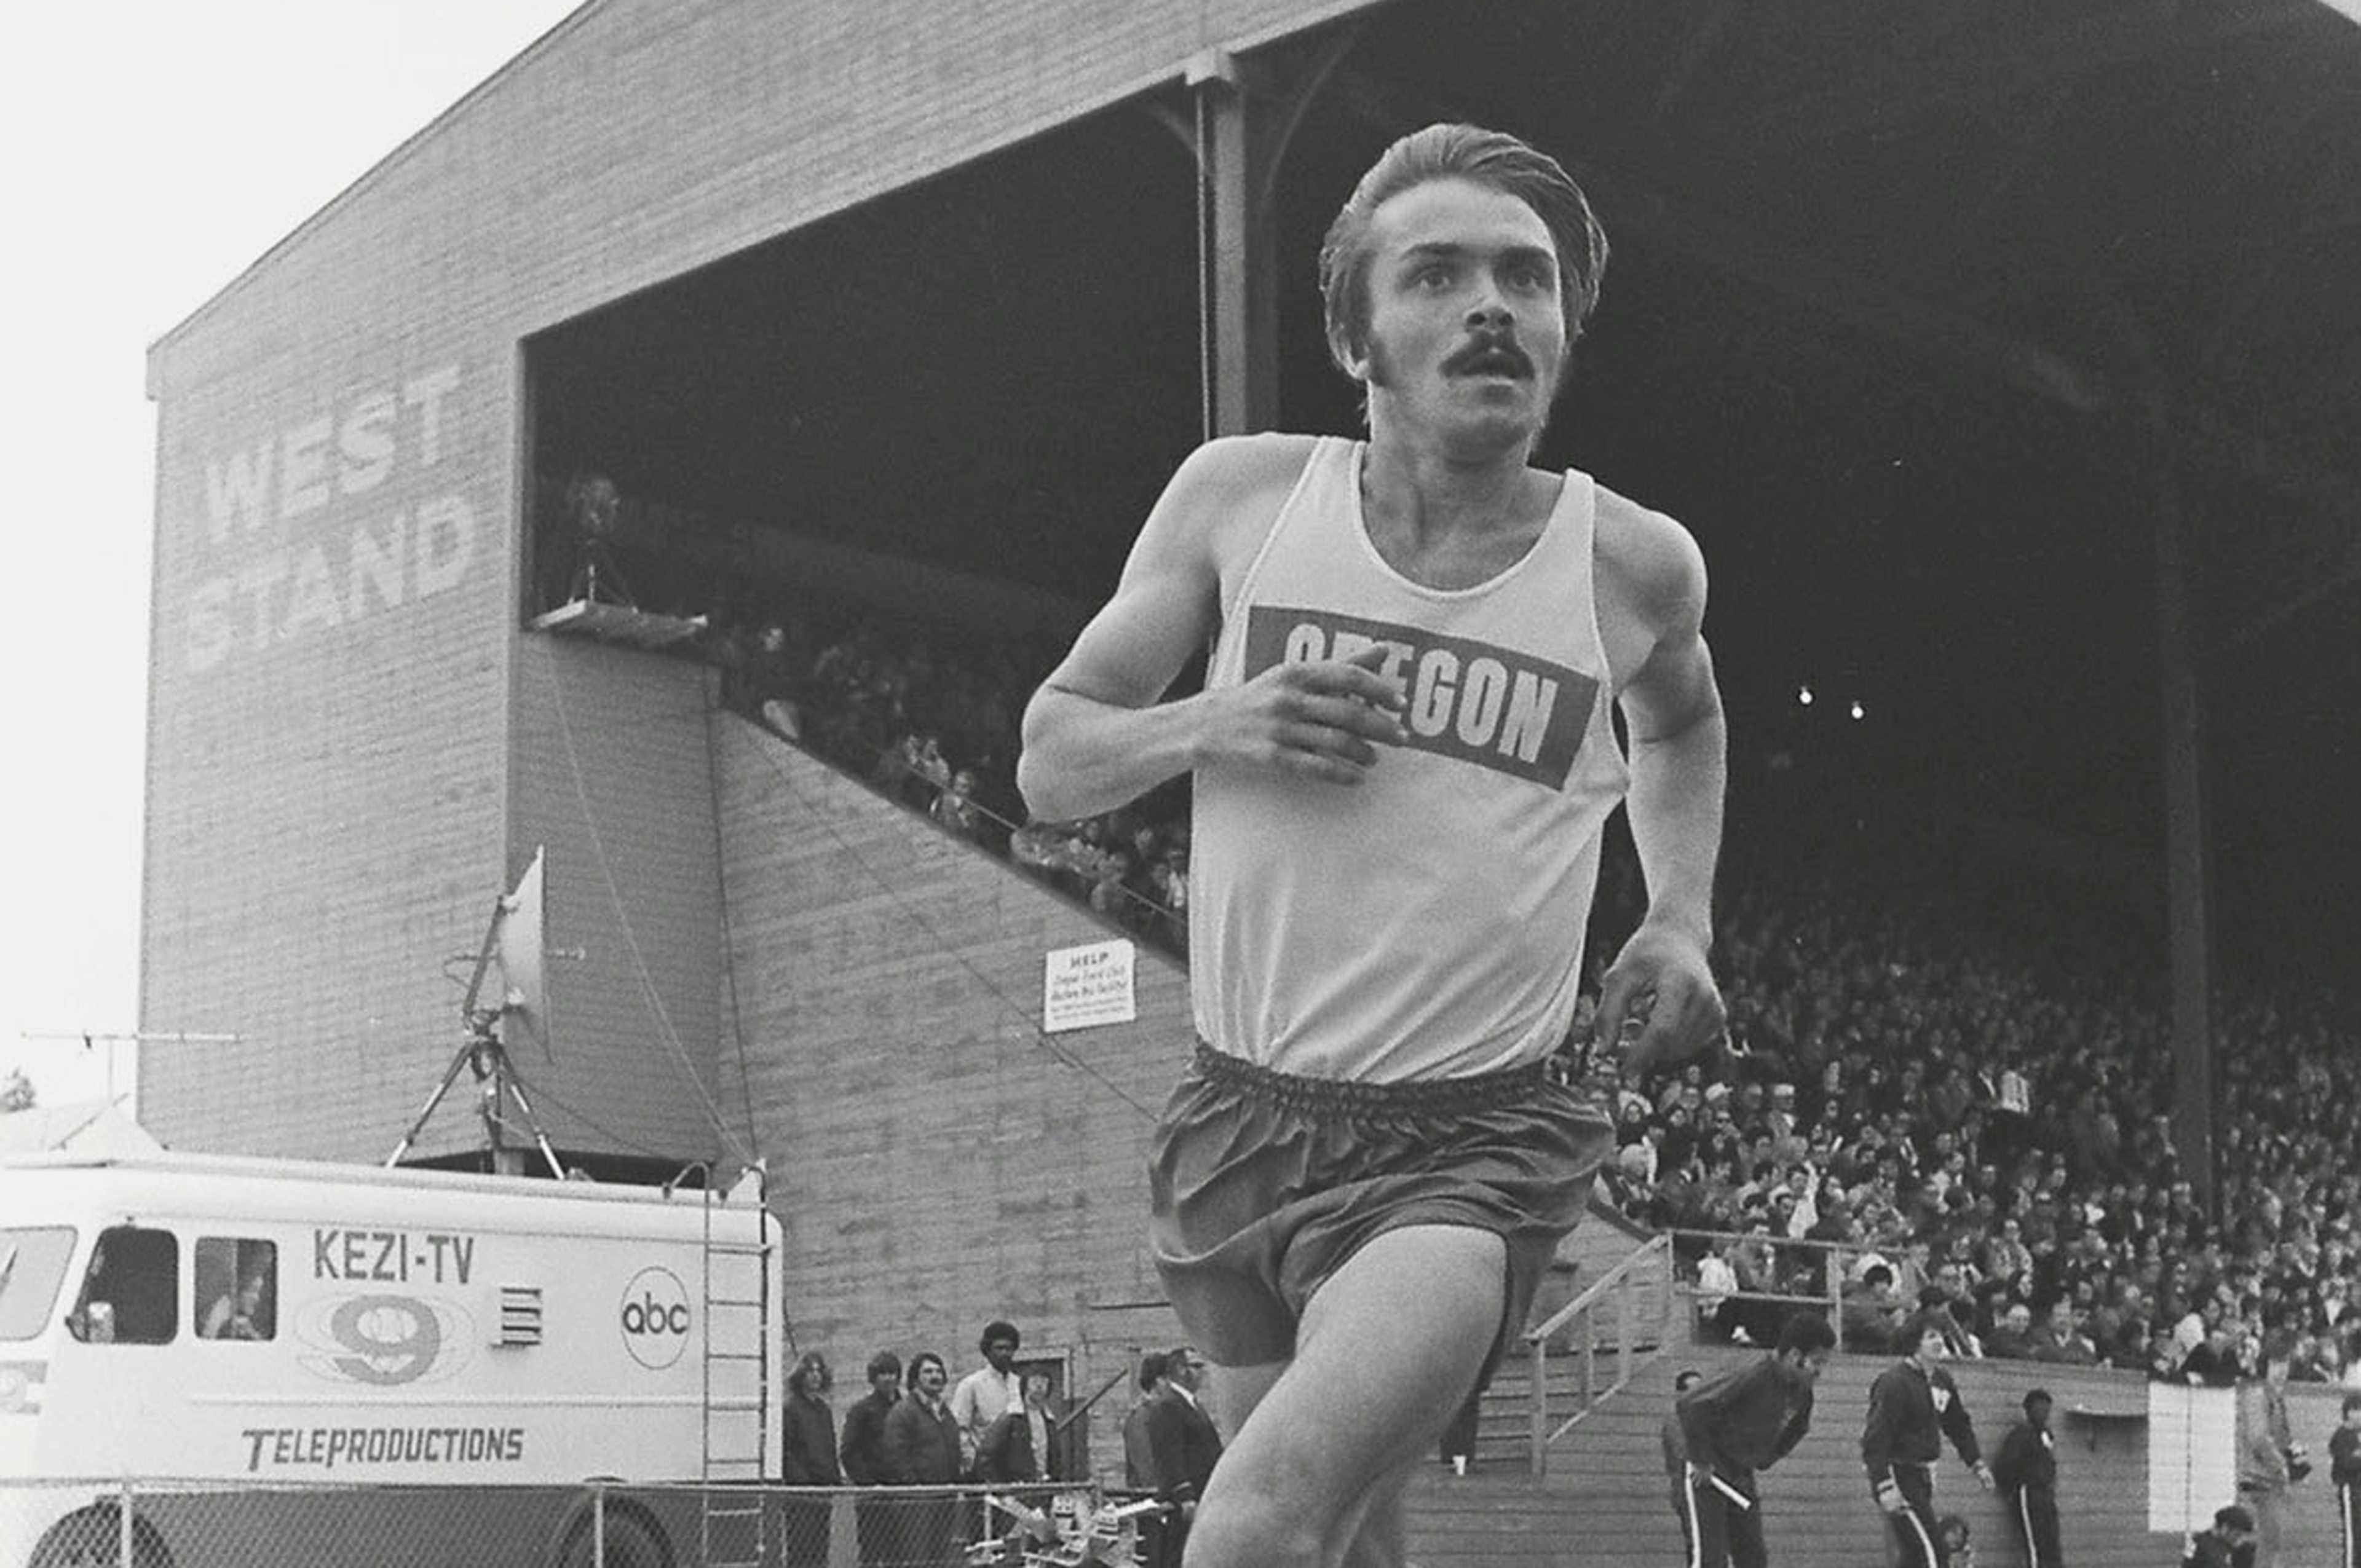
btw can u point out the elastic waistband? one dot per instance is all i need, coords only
(1428, 1096)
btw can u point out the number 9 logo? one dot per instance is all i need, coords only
(394, 1339)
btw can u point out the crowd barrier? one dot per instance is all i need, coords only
(155, 1523)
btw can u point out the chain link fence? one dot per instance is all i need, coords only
(197, 1524)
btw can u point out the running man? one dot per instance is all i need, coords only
(1913, 1405)
(1747, 1420)
(1404, 758)
(2027, 1471)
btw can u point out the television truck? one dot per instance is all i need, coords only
(273, 1356)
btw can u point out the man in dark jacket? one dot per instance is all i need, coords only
(1183, 1447)
(864, 1457)
(922, 1449)
(1913, 1405)
(2026, 1471)
(1677, 1456)
(1021, 1445)
(1747, 1420)
(808, 1458)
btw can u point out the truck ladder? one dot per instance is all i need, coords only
(733, 1523)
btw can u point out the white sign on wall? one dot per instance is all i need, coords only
(2193, 1462)
(1088, 985)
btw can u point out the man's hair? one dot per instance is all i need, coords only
(2037, 1397)
(884, 1363)
(1920, 1325)
(1685, 1378)
(1805, 1332)
(2352, 1403)
(996, 1329)
(1877, 1272)
(1179, 1356)
(1151, 1369)
(917, 1365)
(813, 1366)
(1490, 158)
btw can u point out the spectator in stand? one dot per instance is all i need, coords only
(808, 1458)
(2060, 1339)
(955, 810)
(865, 1461)
(2012, 1336)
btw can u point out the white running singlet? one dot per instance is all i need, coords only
(1429, 922)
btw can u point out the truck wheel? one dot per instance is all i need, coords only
(92, 1538)
(633, 1540)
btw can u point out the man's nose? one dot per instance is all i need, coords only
(1489, 313)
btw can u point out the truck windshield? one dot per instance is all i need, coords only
(32, 1267)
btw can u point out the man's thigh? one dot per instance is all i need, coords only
(1388, 1347)
(1232, 1393)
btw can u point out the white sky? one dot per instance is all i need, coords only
(150, 150)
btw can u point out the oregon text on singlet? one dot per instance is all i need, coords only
(1430, 923)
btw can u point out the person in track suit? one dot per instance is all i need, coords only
(2027, 1470)
(1913, 1407)
(1746, 1420)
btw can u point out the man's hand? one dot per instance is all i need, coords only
(1662, 983)
(1889, 1495)
(1984, 1475)
(1322, 718)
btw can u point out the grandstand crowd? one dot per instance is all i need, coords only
(1947, 1083)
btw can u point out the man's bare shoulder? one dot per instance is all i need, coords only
(1649, 561)
(1229, 490)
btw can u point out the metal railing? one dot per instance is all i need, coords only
(1627, 1288)
(161, 1523)
(1831, 1268)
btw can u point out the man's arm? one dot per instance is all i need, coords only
(1961, 1428)
(1672, 710)
(1799, 1426)
(1097, 733)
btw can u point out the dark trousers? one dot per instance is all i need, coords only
(2034, 1513)
(1722, 1531)
(1914, 1526)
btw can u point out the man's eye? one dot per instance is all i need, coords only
(1434, 276)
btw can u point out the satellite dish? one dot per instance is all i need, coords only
(518, 949)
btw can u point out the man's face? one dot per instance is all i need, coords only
(1467, 332)
(1037, 1389)
(1930, 1345)
(2038, 1414)
(1001, 1352)
(2020, 1317)
(889, 1384)
(1185, 1370)
(931, 1378)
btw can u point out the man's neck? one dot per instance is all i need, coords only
(1421, 492)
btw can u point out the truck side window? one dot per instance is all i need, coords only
(131, 1293)
(236, 1288)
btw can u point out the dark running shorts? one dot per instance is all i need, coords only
(1263, 1183)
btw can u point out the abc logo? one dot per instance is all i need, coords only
(655, 1318)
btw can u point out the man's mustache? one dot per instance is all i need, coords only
(1489, 355)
